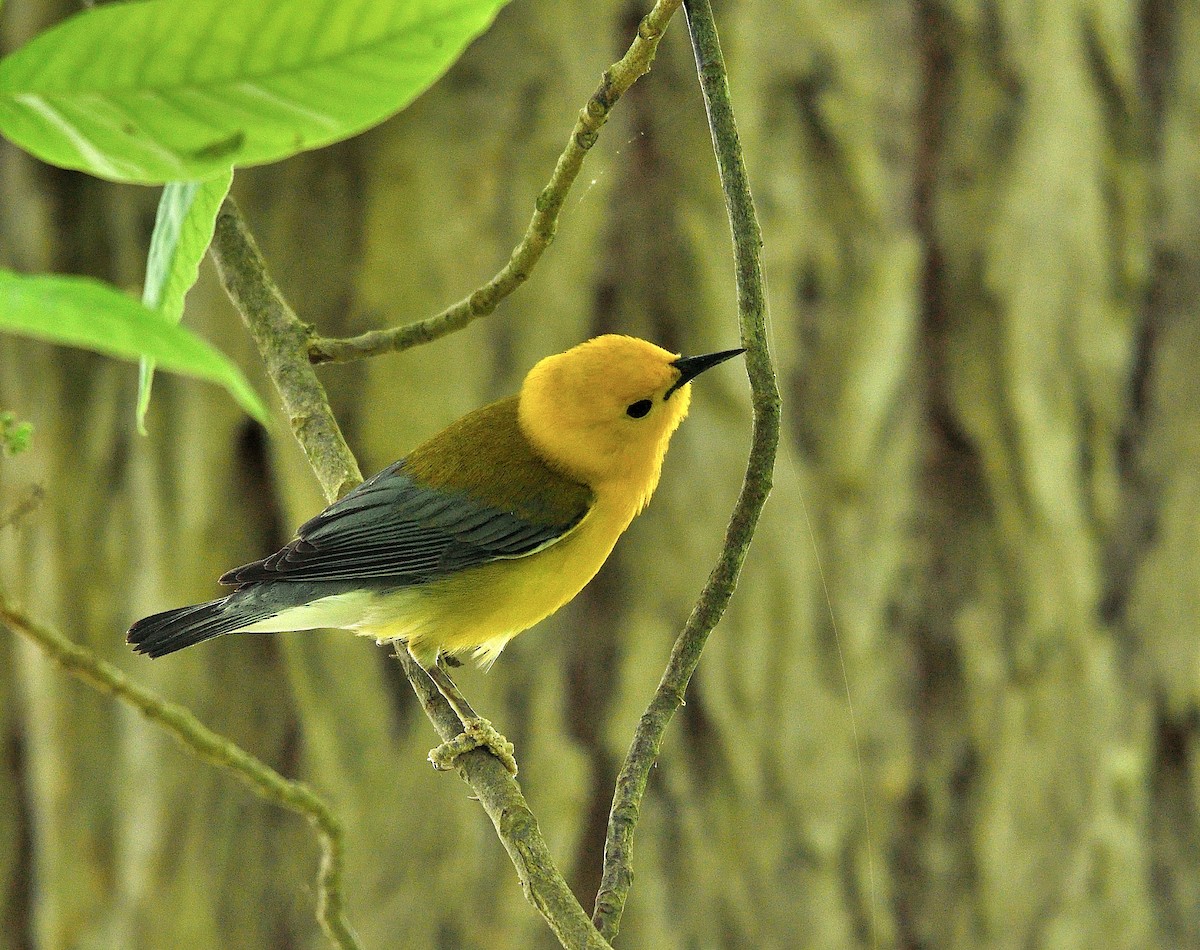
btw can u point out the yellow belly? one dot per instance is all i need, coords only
(480, 609)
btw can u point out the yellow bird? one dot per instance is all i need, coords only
(480, 532)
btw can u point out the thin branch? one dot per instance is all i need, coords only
(280, 335)
(206, 744)
(281, 338)
(515, 824)
(752, 310)
(538, 235)
(23, 508)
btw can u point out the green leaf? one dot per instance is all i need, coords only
(79, 311)
(15, 436)
(163, 90)
(183, 229)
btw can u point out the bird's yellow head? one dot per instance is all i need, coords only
(604, 411)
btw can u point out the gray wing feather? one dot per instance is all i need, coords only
(396, 530)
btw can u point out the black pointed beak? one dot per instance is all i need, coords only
(692, 366)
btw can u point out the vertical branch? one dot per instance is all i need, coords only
(752, 311)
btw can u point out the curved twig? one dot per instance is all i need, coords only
(752, 311)
(184, 726)
(540, 232)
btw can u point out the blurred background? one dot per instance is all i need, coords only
(955, 700)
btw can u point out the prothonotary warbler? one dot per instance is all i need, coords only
(478, 533)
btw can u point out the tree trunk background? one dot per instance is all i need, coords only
(955, 700)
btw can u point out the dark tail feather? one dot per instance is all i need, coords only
(173, 630)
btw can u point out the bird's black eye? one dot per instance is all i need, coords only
(639, 408)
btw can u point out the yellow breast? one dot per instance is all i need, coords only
(480, 609)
